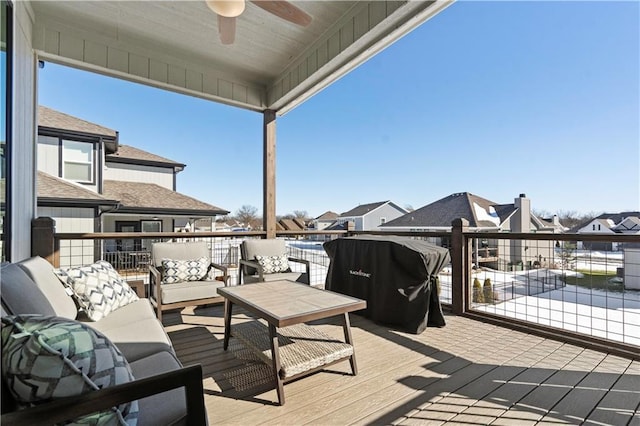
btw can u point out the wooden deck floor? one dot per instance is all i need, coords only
(468, 373)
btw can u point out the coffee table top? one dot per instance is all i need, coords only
(284, 303)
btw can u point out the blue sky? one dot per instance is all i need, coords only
(493, 98)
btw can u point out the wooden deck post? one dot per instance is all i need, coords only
(269, 174)
(460, 265)
(43, 242)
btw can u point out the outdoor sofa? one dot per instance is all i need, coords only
(167, 392)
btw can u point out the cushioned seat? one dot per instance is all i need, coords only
(252, 271)
(182, 292)
(184, 283)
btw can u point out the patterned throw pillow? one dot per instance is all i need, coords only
(98, 288)
(177, 271)
(273, 264)
(45, 358)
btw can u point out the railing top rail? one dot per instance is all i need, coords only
(618, 238)
(148, 235)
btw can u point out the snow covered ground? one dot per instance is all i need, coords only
(607, 314)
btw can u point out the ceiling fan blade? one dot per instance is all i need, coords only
(286, 11)
(226, 29)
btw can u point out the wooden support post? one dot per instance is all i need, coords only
(43, 242)
(460, 263)
(269, 177)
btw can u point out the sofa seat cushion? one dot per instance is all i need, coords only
(135, 330)
(45, 358)
(167, 408)
(20, 295)
(99, 288)
(193, 290)
(42, 273)
(291, 276)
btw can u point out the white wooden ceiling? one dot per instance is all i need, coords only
(273, 64)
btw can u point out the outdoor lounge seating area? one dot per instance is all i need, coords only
(467, 372)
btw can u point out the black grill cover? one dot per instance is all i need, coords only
(395, 275)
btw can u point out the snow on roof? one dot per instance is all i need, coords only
(482, 214)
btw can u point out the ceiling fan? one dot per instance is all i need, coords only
(229, 10)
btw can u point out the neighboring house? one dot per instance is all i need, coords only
(367, 217)
(483, 216)
(323, 221)
(88, 182)
(608, 223)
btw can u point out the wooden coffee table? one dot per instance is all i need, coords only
(293, 348)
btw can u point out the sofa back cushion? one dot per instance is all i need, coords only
(42, 273)
(250, 248)
(20, 295)
(179, 251)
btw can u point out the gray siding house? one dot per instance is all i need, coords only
(368, 217)
(88, 182)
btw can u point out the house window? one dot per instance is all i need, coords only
(594, 226)
(598, 227)
(77, 161)
(383, 220)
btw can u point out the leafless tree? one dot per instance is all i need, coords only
(248, 216)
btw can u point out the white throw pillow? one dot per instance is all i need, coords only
(177, 271)
(273, 264)
(98, 288)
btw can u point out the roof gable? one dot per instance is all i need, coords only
(328, 215)
(363, 209)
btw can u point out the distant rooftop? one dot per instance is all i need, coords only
(363, 209)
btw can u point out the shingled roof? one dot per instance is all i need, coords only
(53, 119)
(137, 197)
(479, 211)
(130, 154)
(328, 215)
(363, 209)
(53, 190)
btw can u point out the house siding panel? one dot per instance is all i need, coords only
(73, 220)
(372, 220)
(48, 155)
(162, 176)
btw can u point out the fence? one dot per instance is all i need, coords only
(579, 288)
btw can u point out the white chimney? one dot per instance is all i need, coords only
(522, 218)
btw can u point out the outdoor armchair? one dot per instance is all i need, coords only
(182, 274)
(267, 260)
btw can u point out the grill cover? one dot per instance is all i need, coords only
(395, 275)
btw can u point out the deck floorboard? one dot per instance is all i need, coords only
(467, 372)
